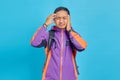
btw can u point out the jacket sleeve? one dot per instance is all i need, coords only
(77, 40)
(40, 37)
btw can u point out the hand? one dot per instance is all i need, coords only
(49, 19)
(68, 24)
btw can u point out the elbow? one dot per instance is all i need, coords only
(85, 45)
(82, 47)
(34, 44)
(38, 44)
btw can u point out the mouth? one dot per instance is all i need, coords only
(61, 25)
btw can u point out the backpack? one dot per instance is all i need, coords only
(51, 39)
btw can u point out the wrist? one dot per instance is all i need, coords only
(69, 29)
(45, 25)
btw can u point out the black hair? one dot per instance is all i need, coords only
(62, 8)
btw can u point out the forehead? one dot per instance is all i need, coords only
(61, 13)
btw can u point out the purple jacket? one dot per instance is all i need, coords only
(60, 60)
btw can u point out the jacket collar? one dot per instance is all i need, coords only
(57, 29)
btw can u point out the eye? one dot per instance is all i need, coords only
(57, 18)
(64, 18)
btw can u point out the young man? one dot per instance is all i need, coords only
(60, 48)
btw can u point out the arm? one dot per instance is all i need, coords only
(77, 41)
(75, 38)
(40, 37)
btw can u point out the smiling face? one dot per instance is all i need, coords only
(61, 19)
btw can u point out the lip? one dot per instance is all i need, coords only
(61, 24)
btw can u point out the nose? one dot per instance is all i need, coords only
(61, 20)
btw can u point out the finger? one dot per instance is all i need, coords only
(54, 15)
(69, 17)
(52, 18)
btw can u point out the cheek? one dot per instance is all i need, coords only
(66, 21)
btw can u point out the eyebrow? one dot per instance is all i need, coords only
(62, 16)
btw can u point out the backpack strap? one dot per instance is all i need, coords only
(51, 39)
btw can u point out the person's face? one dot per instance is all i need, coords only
(61, 19)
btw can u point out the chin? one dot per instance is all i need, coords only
(62, 27)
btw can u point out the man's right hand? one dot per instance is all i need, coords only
(49, 20)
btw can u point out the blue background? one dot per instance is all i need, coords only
(98, 22)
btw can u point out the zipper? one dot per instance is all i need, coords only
(61, 54)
